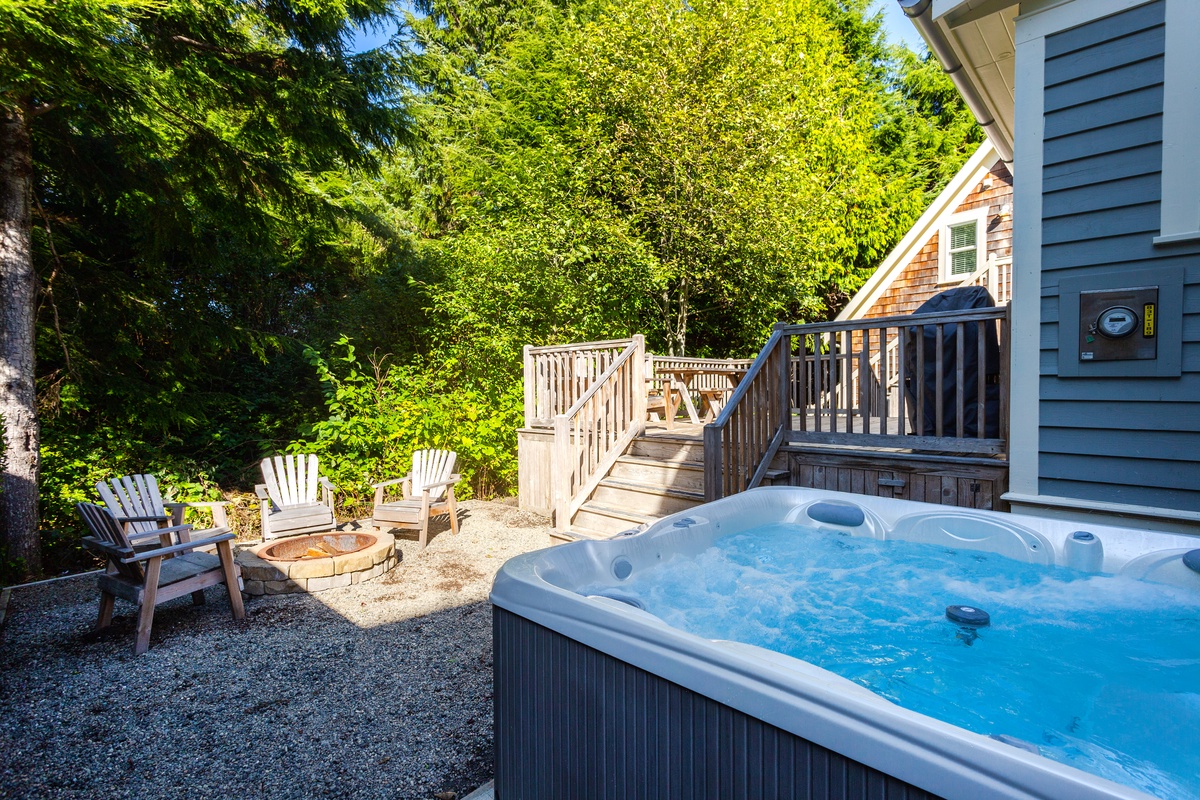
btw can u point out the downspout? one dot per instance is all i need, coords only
(918, 12)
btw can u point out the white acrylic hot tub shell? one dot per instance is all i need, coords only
(802, 698)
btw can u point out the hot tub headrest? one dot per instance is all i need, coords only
(844, 514)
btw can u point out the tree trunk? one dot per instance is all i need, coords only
(675, 317)
(18, 291)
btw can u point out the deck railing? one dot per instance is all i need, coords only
(995, 276)
(842, 394)
(740, 443)
(920, 382)
(556, 377)
(593, 433)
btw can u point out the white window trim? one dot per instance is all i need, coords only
(980, 217)
(1180, 215)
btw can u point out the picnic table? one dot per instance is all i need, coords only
(712, 396)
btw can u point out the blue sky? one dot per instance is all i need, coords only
(898, 28)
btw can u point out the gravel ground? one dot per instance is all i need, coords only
(380, 690)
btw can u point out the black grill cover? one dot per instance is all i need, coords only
(962, 298)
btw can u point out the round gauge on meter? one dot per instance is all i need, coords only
(1117, 322)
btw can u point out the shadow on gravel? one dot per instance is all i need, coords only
(298, 701)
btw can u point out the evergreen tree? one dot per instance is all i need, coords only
(165, 111)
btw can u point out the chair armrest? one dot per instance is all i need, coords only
(216, 507)
(453, 479)
(157, 531)
(328, 484)
(104, 548)
(150, 518)
(260, 489)
(178, 548)
(392, 482)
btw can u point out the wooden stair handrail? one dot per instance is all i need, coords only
(602, 344)
(556, 375)
(741, 442)
(605, 377)
(591, 435)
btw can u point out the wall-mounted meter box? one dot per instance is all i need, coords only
(1118, 324)
(1124, 323)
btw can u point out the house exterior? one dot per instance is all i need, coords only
(965, 236)
(1096, 103)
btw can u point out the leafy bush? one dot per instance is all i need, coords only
(73, 461)
(380, 413)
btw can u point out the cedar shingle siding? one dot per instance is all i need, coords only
(918, 281)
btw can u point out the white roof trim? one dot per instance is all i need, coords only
(963, 8)
(918, 235)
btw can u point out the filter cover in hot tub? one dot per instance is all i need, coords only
(968, 615)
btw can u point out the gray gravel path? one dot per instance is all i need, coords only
(380, 690)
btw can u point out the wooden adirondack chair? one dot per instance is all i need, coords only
(155, 576)
(288, 500)
(428, 490)
(137, 503)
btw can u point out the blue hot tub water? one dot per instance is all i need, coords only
(1099, 672)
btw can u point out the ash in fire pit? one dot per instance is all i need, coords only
(324, 545)
(315, 563)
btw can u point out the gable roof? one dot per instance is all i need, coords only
(956, 191)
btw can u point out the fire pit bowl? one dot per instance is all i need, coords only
(317, 562)
(321, 545)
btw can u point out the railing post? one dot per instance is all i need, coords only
(639, 380)
(713, 463)
(562, 468)
(530, 385)
(785, 379)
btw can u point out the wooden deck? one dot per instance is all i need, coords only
(824, 406)
(838, 424)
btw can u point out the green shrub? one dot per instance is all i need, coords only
(378, 414)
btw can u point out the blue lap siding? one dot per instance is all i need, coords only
(1129, 440)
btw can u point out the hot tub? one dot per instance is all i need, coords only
(596, 698)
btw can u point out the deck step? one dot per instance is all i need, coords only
(665, 448)
(642, 498)
(654, 462)
(566, 537)
(596, 520)
(662, 473)
(667, 474)
(641, 487)
(777, 477)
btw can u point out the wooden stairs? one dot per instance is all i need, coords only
(661, 473)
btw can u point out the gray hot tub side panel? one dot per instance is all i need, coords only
(573, 722)
(793, 696)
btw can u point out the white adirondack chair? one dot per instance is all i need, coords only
(288, 500)
(428, 490)
(137, 503)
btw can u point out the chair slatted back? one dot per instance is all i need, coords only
(432, 466)
(133, 496)
(291, 480)
(104, 526)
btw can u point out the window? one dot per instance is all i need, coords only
(963, 253)
(962, 245)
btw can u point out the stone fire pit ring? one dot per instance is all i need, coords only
(279, 566)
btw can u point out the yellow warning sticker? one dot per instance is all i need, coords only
(1148, 320)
